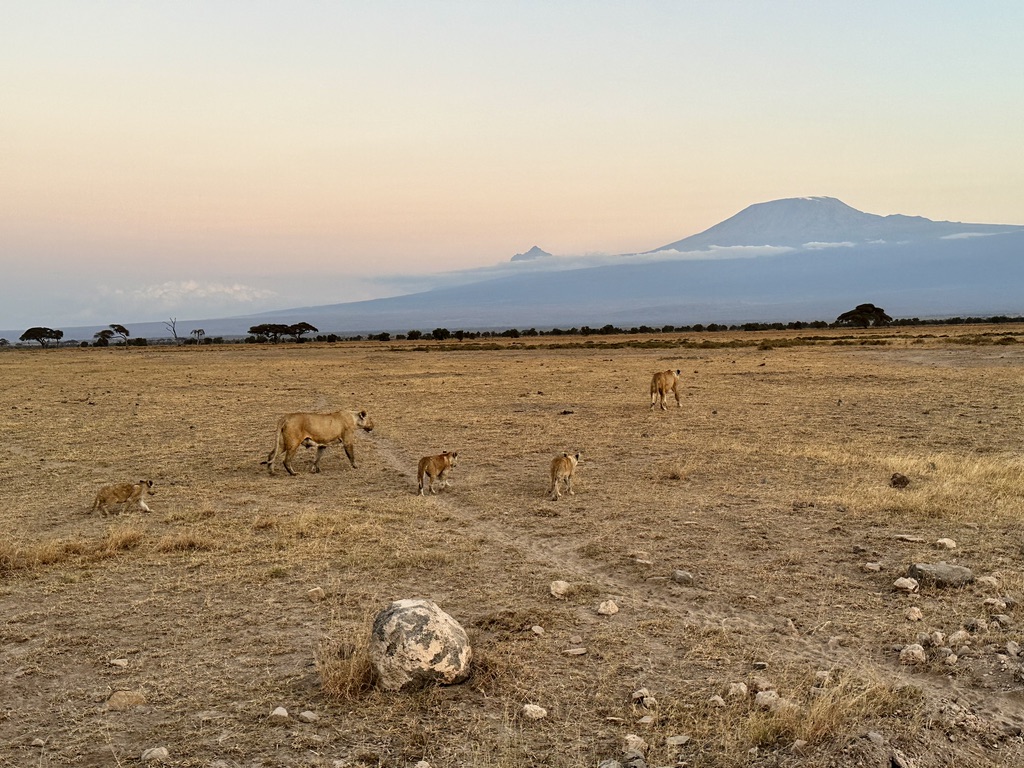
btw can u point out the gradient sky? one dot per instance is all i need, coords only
(210, 159)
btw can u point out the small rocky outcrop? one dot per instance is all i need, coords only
(941, 574)
(414, 644)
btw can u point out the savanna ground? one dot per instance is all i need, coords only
(770, 486)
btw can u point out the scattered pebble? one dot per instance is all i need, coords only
(308, 717)
(118, 662)
(316, 594)
(677, 741)
(575, 651)
(914, 614)
(716, 701)
(560, 588)
(904, 584)
(608, 608)
(871, 567)
(279, 715)
(533, 712)
(537, 629)
(156, 755)
(945, 544)
(682, 577)
(913, 654)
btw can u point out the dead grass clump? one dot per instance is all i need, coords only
(122, 540)
(346, 672)
(184, 541)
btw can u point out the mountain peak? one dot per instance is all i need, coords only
(530, 255)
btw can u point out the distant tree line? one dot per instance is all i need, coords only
(861, 316)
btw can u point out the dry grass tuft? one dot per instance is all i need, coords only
(346, 673)
(185, 541)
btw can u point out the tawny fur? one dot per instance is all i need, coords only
(319, 429)
(662, 383)
(122, 494)
(562, 469)
(436, 467)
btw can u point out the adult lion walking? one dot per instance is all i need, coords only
(662, 383)
(319, 429)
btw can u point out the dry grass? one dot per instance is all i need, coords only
(770, 486)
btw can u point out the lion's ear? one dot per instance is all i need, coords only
(362, 414)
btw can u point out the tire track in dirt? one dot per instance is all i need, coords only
(1006, 708)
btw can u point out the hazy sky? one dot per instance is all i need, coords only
(208, 159)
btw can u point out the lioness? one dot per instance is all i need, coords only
(436, 467)
(319, 429)
(562, 468)
(122, 494)
(662, 383)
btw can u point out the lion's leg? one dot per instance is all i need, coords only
(553, 492)
(664, 400)
(287, 460)
(350, 451)
(679, 403)
(143, 507)
(320, 451)
(568, 485)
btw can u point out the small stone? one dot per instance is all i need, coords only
(914, 614)
(118, 662)
(316, 594)
(575, 651)
(279, 715)
(156, 755)
(682, 577)
(913, 654)
(899, 481)
(533, 712)
(639, 695)
(575, 639)
(38, 743)
(909, 539)
(904, 584)
(1002, 620)
(767, 700)
(876, 738)
(987, 581)
(951, 660)
(1012, 648)
(537, 629)
(608, 608)
(799, 747)
(976, 625)
(937, 638)
(422, 764)
(958, 638)
(308, 717)
(716, 701)
(871, 567)
(121, 700)
(560, 589)
(737, 691)
(945, 544)
(645, 720)
(635, 744)
(677, 741)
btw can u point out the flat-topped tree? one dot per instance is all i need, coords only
(42, 335)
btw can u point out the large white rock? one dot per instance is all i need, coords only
(414, 644)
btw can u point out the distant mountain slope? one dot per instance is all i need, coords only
(799, 221)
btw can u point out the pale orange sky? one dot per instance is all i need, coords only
(255, 158)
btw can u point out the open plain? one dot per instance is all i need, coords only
(751, 536)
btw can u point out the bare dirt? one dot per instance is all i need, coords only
(770, 486)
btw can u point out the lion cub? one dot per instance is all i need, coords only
(436, 467)
(123, 494)
(662, 383)
(562, 469)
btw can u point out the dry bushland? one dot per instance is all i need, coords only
(770, 487)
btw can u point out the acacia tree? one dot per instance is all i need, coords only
(103, 337)
(42, 335)
(272, 331)
(864, 316)
(296, 331)
(121, 331)
(198, 333)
